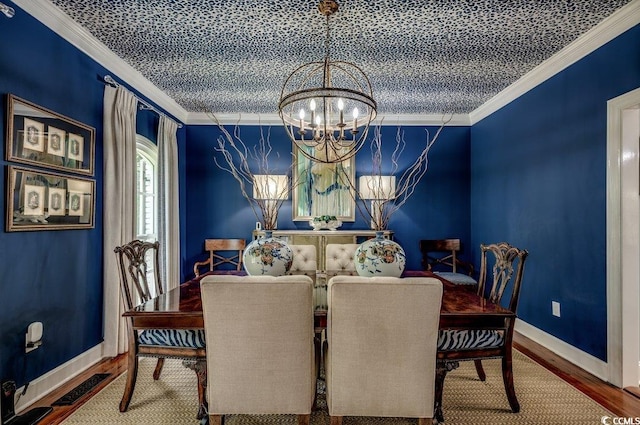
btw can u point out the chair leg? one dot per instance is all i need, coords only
(199, 366)
(441, 373)
(201, 372)
(158, 369)
(336, 420)
(507, 377)
(480, 370)
(216, 420)
(132, 374)
(304, 419)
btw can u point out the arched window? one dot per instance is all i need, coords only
(146, 189)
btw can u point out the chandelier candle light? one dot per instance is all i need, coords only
(314, 99)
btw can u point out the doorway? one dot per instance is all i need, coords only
(623, 239)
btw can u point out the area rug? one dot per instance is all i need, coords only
(172, 400)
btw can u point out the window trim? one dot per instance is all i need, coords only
(149, 151)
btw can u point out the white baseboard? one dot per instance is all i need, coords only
(568, 352)
(43, 385)
(53, 379)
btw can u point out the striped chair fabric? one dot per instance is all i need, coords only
(187, 338)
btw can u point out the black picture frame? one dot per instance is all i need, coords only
(38, 200)
(40, 137)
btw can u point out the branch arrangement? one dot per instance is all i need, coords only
(386, 204)
(248, 166)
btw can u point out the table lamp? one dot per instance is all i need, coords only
(270, 188)
(379, 189)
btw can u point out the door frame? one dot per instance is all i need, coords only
(623, 248)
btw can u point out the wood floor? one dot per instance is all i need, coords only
(620, 402)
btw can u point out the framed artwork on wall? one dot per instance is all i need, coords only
(322, 189)
(38, 136)
(39, 200)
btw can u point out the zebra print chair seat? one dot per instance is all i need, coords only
(185, 338)
(456, 340)
(139, 266)
(504, 265)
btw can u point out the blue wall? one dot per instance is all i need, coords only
(439, 207)
(538, 173)
(52, 276)
(537, 169)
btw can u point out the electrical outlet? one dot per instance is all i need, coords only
(33, 337)
(555, 308)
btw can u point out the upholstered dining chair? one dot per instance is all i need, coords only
(261, 354)
(441, 257)
(501, 266)
(221, 251)
(380, 353)
(139, 266)
(305, 262)
(338, 260)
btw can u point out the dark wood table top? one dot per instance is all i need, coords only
(182, 308)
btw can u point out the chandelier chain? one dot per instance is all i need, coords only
(327, 107)
(327, 39)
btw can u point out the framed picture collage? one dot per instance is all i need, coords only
(56, 190)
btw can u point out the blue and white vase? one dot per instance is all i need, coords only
(379, 257)
(267, 256)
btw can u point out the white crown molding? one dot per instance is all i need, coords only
(60, 23)
(51, 16)
(422, 120)
(620, 21)
(202, 118)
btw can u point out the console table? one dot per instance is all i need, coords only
(320, 238)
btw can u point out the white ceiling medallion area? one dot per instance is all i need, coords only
(410, 73)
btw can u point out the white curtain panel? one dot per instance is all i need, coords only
(169, 227)
(120, 107)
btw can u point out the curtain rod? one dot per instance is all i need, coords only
(7, 10)
(108, 79)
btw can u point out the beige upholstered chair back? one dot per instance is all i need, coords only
(260, 347)
(304, 260)
(381, 346)
(339, 258)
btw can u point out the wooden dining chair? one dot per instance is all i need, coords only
(441, 257)
(221, 251)
(139, 267)
(502, 266)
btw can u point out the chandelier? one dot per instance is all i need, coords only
(327, 106)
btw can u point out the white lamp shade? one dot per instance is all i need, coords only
(377, 187)
(270, 186)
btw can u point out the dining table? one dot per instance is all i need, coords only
(461, 308)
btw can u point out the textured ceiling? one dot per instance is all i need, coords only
(422, 56)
